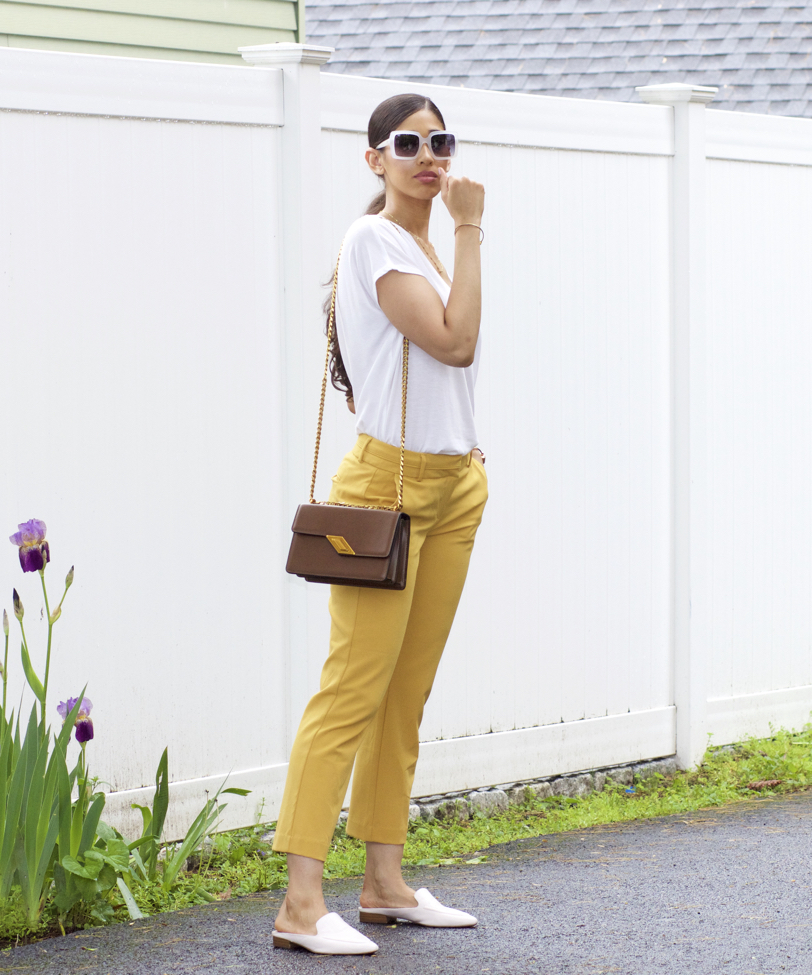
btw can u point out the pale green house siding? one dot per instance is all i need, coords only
(189, 30)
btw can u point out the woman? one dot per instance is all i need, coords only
(386, 645)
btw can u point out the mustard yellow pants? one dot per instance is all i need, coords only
(385, 647)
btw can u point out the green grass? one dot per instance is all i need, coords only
(241, 863)
(724, 777)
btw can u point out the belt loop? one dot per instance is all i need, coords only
(422, 469)
(361, 446)
(469, 458)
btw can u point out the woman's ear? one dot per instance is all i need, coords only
(374, 161)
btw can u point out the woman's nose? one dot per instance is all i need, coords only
(424, 154)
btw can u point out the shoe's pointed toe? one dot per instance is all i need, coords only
(333, 937)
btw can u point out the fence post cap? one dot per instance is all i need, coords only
(284, 52)
(676, 93)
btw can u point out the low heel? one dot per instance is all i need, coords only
(280, 942)
(370, 917)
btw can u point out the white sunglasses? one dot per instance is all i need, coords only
(407, 145)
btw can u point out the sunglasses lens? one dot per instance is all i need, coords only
(406, 144)
(443, 145)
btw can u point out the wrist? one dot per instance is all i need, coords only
(465, 226)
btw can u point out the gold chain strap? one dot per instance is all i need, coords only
(330, 325)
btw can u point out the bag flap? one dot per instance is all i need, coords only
(368, 532)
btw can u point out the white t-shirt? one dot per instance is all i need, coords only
(440, 400)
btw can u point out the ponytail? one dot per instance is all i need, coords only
(377, 203)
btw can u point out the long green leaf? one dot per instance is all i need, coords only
(46, 858)
(33, 681)
(203, 824)
(142, 841)
(39, 822)
(6, 725)
(76, 826)
(91, 822)
(160, 803)
(52, 812)
(146, 819)
(14, 808)
(29, 756)
(7, 764)
(129, 900)
(49, 806)
(139, 865)
(35, 794)
(20, 868)
(12, 803)
(64, 794)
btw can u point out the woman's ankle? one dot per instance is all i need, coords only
(304, 901)
(387, 892)
(384, 885)
(298, 915)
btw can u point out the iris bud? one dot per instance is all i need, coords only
(69, 579)
(5, 622)
(19, 612)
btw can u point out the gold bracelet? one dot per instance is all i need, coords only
(481, 231)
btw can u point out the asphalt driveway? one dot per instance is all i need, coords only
(723, 892)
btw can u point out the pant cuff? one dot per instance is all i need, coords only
(378, 834)
(304, 846)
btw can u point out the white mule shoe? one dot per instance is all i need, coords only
(429, 912)
(335, 937)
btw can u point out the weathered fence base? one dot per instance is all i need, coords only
(453, 765)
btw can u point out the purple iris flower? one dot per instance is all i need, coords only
(84, 726)
(34, 550)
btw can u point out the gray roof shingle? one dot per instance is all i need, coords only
(759, 54)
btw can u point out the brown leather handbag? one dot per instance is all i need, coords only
(352, 545)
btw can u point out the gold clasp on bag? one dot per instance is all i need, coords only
(340, 544)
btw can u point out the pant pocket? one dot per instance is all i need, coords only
(351, 481)
(382, 488)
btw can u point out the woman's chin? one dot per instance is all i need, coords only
(422, 191)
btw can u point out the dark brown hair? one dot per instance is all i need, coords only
(386, 117)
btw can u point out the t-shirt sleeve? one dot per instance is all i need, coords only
(374, 251)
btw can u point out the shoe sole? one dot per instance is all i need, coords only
(370, 917)
(281, 942)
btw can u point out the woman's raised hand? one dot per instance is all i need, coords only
(464, 198)
(447, 332)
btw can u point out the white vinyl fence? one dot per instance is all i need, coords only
(643, 576)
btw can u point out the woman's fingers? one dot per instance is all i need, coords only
(444, 178)
(464, 198)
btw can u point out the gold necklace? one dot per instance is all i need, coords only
(420, 242)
